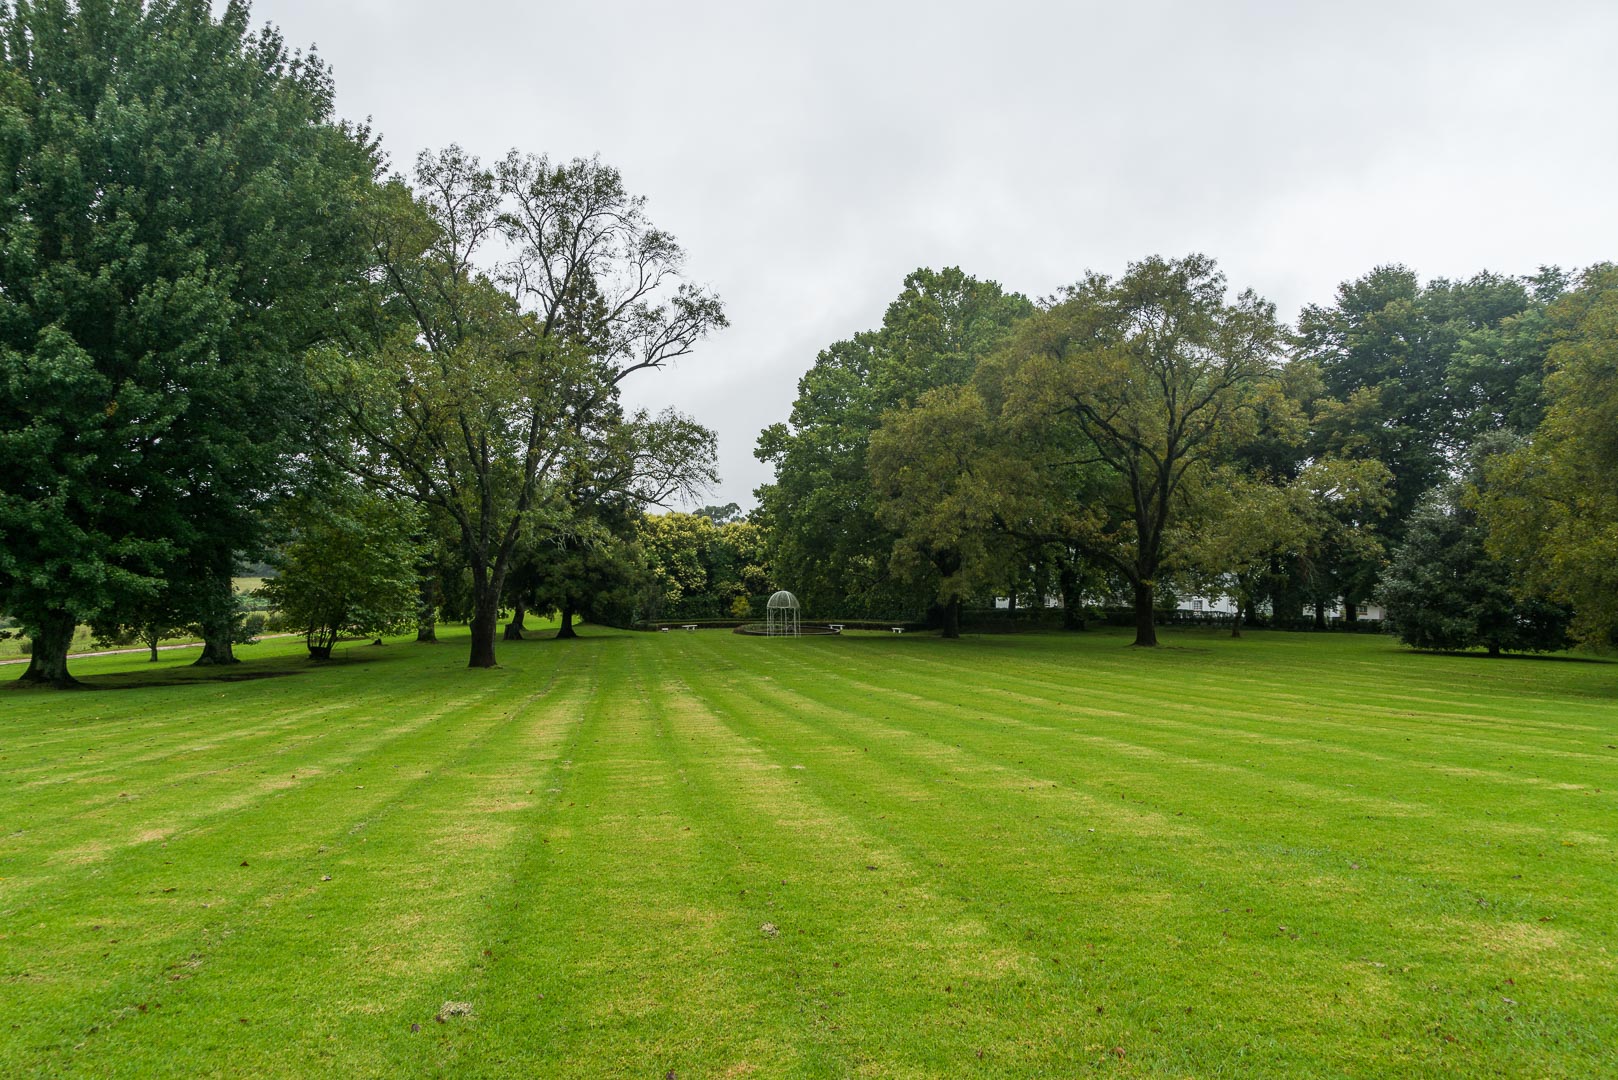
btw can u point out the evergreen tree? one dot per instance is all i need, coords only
(1443, 590)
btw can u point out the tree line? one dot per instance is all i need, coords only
(228, 330)
(1444, 448)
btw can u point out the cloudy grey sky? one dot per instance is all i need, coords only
(809, 155)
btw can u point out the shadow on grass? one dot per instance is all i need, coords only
(192, 675)
(545, 637)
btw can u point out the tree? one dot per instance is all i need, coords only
(437, 565)
(149, 623)
(1550, 506)
(1415, 372)
(641, 463)
(595, 570)
(1139, 384)
(1245, 523)
(1260, 507)
(349, 566)
(1345, 500)
(939, 472)
(700, 570)
(483, 392)
(168, 256)
(821, 511)
(1443, 590)
(1495, 378)
(721, 515)
(674, 545)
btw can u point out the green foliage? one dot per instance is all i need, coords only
(1124, 395)
(1551, 505)
(1414, 373)
(1244, 523)
(939, 472)
(490, 393)
(596, 569)
(1344, 548)
(349, 566)
(177, 212)
(1442, 590)
(722, 515)
(703, 570)
(821, 512)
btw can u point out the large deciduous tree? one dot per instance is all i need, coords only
(1551, 505)
(941, 472)
(828, 543)
(1414, 372)
(699, 569)
(486, 387)
(1139, 385)
(176, 207)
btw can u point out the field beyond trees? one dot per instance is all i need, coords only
(697, 854)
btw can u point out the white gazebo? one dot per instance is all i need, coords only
(781, 615)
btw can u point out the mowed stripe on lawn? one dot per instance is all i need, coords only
(713, 855)
(1305, 842)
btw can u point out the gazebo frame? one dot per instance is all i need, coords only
(781, 615)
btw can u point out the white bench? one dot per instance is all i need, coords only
(897, 629)
(688, 626)
(836, 627)
(662, 629)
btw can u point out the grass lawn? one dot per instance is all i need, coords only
(704, 855)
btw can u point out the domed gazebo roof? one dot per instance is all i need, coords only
(783, 599)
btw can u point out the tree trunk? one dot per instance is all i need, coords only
(217, 649)
(515, 627)
(952, 617)
(219, 624)
(151, 643)
(427, 613)
(1494, 648)
(320, 642)
(1351, 613)
(1241, 613)
(1072, 613)
(565, 631)
(485, 621)
(1320, 614)
(1145, 624)
(47, 663)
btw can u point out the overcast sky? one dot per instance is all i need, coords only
(809, 155)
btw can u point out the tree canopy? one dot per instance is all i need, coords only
(210, 292)
(169, 253)
(820, 511)
(491, 392)
(1551, 504)
(1141, 384)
